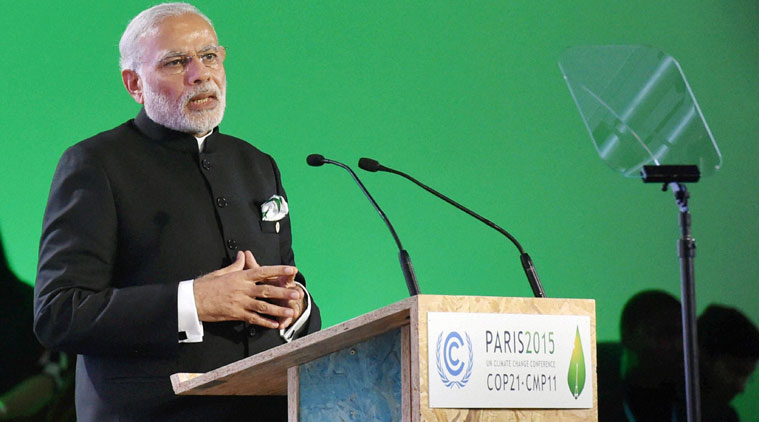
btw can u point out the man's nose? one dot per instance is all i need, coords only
(196, 72)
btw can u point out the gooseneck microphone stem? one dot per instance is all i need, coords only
(371, 199)
(461, 207)
(404, 258)
(371, 165)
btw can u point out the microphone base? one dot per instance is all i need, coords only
(532, 275)
(408, 273)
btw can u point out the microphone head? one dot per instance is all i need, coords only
(369, 165)
(315, 160)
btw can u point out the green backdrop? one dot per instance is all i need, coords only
(467, 96)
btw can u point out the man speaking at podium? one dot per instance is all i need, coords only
(166, 245)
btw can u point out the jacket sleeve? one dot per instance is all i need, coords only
(314, 323)
(77, 307)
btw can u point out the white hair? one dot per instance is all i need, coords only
(145, 24)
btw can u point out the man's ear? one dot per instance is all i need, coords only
(133, 84)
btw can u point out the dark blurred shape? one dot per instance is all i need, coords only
(729, 352)
(35, 384)
(641, 379)
(20, 348)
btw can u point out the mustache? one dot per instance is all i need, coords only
(207, 88)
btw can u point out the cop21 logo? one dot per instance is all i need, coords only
(454, 363)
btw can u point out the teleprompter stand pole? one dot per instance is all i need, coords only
(687, 250)
(672, 176)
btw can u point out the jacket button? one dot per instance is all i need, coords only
(252, 331)
(221, 202)
(205, 164)
(232, 244)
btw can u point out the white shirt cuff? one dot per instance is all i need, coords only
(190, 327)
(289, 333)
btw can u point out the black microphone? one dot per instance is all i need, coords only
(316, 160)
(529, 268)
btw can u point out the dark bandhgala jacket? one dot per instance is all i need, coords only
(132, 212)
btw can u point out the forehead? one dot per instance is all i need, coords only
(183, 33)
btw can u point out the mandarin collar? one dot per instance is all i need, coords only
(169, 137)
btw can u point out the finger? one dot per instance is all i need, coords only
(256, 319)
(270, 272)
(285, 323)
(296, 306)
(250, 260)
(265, 308)
(237, 265)
(284, 283)
(280, 281)
(267, 291)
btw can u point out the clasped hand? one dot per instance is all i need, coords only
(245, 291)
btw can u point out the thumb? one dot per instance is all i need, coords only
(238, 265)
(250, 261)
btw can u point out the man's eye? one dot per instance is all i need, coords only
(209, 57)
(173, 63)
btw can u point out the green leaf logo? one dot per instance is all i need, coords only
(576, 375)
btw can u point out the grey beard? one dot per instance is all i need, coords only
(175, 115)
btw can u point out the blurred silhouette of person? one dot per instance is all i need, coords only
(648, 384)
(35, 384)
(729, 351)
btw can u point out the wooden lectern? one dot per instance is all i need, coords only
(374, 367)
